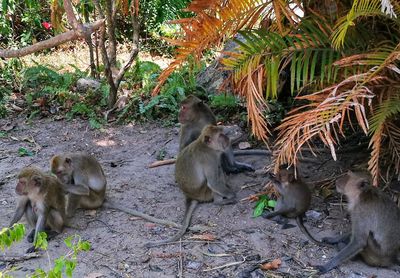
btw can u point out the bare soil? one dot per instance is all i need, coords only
(117, 238)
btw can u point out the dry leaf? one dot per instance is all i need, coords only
(206, 236)
(271, 265)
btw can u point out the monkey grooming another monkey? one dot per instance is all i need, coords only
(199, 175)
(294, 201)
(42, 200)
(375, 224)
(194, 115)
(84, 179)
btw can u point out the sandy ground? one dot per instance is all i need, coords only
(117, 238)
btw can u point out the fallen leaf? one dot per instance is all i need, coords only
(205, 236)
(271, 265)
(7, 126)
(150, 225)
(134, 218)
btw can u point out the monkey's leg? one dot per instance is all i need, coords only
(40, 227)
(31, 218)
(72, 204)
(216, 182)
(353, 248)
(55, 221)
(230, 165)
(93, 201)
(190, 206)
(300, 223)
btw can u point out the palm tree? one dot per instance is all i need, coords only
(343, 62)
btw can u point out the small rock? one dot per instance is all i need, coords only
(313, 214)
(244, 145)
(4, 202)
(85, 84)
(155, 268)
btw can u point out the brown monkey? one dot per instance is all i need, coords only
(83, 178)
(199, 174)
(42, 200)
(375, 224)
(294, 200)
(194, 115)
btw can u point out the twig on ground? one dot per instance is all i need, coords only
(25, 257)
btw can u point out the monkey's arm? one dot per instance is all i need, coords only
(216, 181)
(353, 248)
(19, 212)
(77, 189)
(40, 226)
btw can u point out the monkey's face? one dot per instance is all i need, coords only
(62, 169)
(187, 111)
(286, 175)
(28, 184)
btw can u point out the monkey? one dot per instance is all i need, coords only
(294, 200)
(82, 177)
(375, 224)
(84, 181)
(194, 115)
(42, 201)
(199, 175)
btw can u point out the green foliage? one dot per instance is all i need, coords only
(8, 236)
(223, 101)
(21, 22)
(262, 203)
(10, 78)
(165, 105)
(24, 152)
(65, 264)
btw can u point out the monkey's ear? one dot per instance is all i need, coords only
(207, 139)
(37, 179)
(68, 160)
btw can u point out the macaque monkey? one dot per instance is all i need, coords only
(194, 115)
(294, 200)
(375, 224)
(84, 181)
(199, 174)
(83, 178)
(42, 200)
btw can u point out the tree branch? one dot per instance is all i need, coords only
(52, 42)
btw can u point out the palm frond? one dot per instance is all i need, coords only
(360, 8)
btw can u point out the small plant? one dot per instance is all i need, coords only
(24, 152)
(8, 236)
(65, 264)
(263, 203)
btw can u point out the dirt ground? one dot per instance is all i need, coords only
(117, 238)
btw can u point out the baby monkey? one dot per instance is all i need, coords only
(199, 175)
(294, 200)
(42, 201)
(375, 224)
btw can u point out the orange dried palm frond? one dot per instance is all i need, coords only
(325, 115)
(217, 20)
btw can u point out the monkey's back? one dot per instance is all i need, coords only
(299, 195)
(378, 216)
(54, 197)
(189, 172)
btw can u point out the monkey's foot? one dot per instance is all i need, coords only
(31, 236)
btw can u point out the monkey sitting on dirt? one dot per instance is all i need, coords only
(375, 222)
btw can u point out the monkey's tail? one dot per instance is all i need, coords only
(299, 220)
(133, 212)
(185, 224)
(252, 152)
